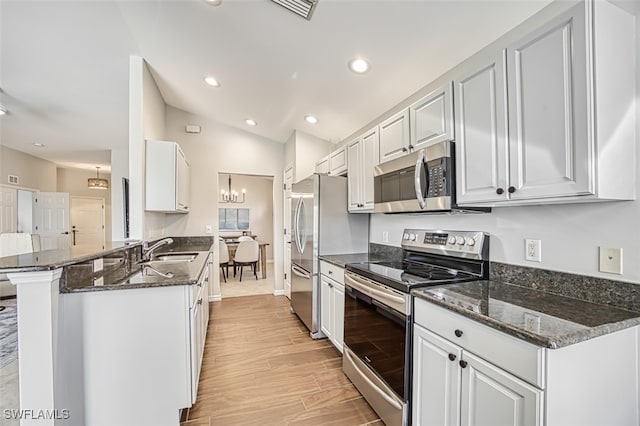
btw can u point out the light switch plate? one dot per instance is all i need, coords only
(611, 260)
(208, 229)
(385, 236)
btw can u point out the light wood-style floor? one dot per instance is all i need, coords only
(261, 367)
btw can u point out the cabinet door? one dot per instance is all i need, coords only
(491, 396)
(326, 302)
(322, 166)
(354, 160)
(481, 129)
(431, 118)
(436, 380)
(370, 147)
(182, 186)
(394, 136)
(550, 148)
(338, 316)
(338, 162)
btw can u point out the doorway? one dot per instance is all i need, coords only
(87, 223)
(245, 207)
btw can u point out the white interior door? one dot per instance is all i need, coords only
(288, 183)
(8, 210)
(87, 223)
(51, 219)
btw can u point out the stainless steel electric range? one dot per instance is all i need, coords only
(378, 311)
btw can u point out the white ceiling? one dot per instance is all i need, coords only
(64, 64)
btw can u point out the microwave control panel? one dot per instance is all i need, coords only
(439, 184)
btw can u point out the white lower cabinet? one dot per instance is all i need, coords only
(199, 318)
(469, 374)
(332, 303)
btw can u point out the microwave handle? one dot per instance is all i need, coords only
(419, 164)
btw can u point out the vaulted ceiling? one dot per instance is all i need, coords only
(65, 64)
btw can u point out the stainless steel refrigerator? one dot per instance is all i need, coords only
(320, 225)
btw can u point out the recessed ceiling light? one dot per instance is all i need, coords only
(213, 2)
(250, 122)
(211, 81)
(310, 119)
(39, 145)
(3, 110)
(359, 66)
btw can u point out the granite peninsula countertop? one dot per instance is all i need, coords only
(562, 320)
(343, 260)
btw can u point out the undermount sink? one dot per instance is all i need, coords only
(174, 257)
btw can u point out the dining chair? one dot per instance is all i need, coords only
(224, 259)
(245, 238)
(247, 254)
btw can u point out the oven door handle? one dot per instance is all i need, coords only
(420, 163)
(365, 288)
(373, 386)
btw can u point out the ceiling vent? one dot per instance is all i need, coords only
(302, 8)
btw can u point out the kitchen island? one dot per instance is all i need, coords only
(111, 337)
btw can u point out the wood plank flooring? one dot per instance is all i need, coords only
(261, 367)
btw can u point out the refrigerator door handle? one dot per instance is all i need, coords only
(296, 227)
(302, 232)
(299, 272)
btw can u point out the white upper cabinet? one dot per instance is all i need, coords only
(338, 162)
(322, 166)
(431, 118)
(545, 120)
(167, 178)
(362, 157)
(394, 136)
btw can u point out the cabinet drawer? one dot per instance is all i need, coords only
(332, 271)
(509, 353)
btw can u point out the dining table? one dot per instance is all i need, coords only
(232, 244)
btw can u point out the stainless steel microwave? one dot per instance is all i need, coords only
(420, 182)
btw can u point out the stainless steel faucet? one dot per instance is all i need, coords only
(148, 251)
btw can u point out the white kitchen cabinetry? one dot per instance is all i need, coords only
(167, 178)
(332, 303)
(362, 157)
(466, 373)
(431, 118)
(338, 162)
(322, 166)
(394, 136)
(545, 120)
(199, 315)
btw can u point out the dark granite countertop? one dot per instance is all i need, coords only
(563, 320)
(342, 260)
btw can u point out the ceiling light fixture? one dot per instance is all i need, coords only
(211, 81)
(213, 2)
(251, 122)
(97, 182)
(359, 66)
(3, 110)
(38, 144)
(231, 196)
(310, 119)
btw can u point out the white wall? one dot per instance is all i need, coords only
(222, 149)
(570, 234)
(33, 172)
(74, 181)
(259, 201)
(304, 150)
(146, 121)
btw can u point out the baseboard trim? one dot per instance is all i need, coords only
(279, 292)
(215, 298)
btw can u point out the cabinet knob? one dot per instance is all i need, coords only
(458, 333)
(499, 191)
(404, 149)
(463, 364)
(511, 189)
(410, 147)
(330, 272)
(452, 357)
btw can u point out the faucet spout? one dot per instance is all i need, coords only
(148, 251)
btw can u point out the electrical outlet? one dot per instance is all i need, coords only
(98, 265)
(611, 260)
(385, 237)
(531, 322)
(533, 250)
(208, 229)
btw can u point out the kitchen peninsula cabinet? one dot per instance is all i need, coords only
(546, 118)
(362, 157)
(167, 178)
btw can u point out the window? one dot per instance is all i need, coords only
(233, 219)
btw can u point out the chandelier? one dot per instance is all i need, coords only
(231, 196)
(97, 182)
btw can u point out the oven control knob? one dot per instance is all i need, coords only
(405, 236)
(471, 241)
(451, 240)
(412, 237)
(459, 240)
